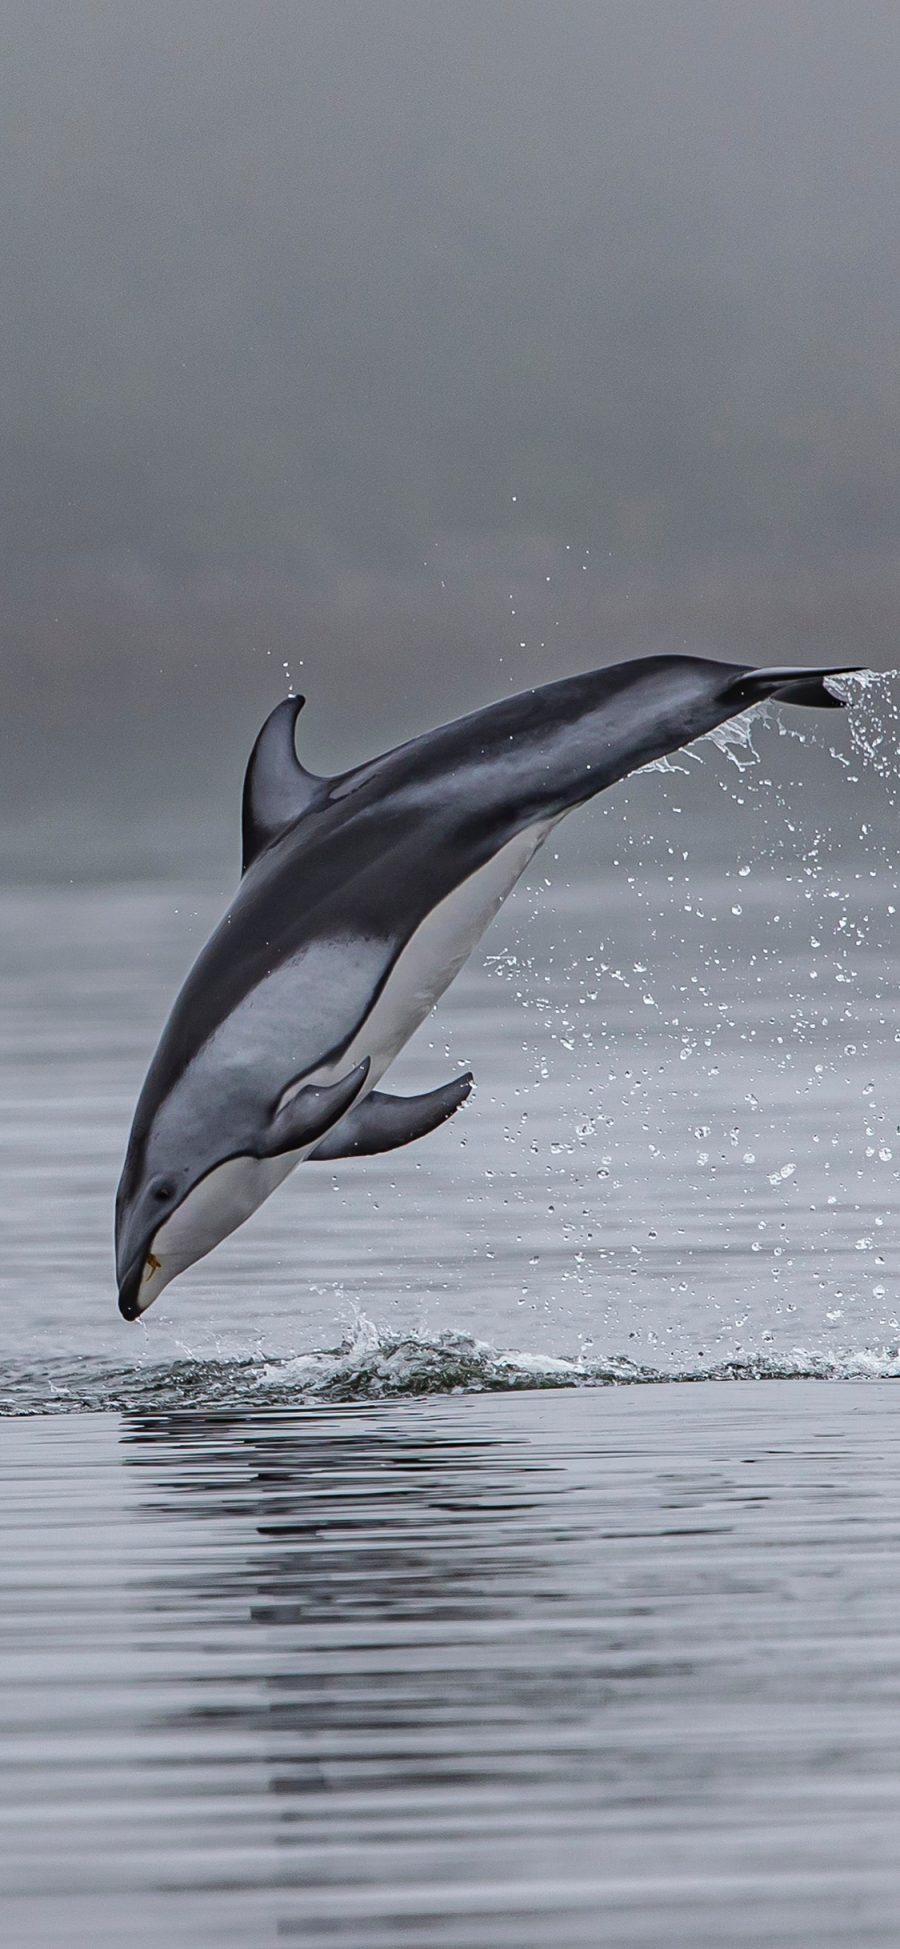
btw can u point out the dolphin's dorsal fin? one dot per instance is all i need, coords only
(277, 789)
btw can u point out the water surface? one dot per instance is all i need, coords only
(616, 1666)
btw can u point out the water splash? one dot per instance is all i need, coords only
(734, 738)
(665, 765)
(873, 716)
(375, 1363)
(851, 685)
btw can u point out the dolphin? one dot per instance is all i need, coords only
(360, 899)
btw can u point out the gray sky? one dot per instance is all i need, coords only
(331, 330)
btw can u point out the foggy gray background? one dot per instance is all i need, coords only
(441, 347)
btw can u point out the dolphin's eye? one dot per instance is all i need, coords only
(163, 1191)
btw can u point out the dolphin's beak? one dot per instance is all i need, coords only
(140, 1285)
(129, 1289)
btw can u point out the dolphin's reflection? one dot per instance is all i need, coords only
(385, 1578)
(404, 1637)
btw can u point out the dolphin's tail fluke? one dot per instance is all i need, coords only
(790, 686)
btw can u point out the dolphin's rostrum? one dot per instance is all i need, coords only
(361, 897)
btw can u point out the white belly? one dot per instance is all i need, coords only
(423, 969)
(434, 955)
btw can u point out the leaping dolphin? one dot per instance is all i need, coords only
(361, 897)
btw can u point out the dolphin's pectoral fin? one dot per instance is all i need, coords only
(277, 789)
(382, 1122)
(312, 1111)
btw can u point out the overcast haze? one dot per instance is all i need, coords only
(332, 331)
